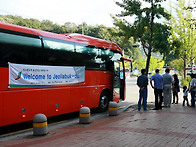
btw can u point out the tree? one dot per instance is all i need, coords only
(126, 33)
(183, 34)
(153, 36)
(10, 19)
(191, 7)
(139, 62)
(178, 64)
(156, 63)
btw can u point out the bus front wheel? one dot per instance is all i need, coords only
(104, 101)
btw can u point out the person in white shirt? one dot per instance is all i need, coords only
(167, 88)
(185, 96)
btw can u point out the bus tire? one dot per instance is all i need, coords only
(104, 101)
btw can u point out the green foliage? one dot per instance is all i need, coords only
(45, 25)
(156, 63)
(183, 33)
(185, 82)
(125, 33)
(160, 40)
(178, 64)
(144, 29)
(139, 63)
(170, 58)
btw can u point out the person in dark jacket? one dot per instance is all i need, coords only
(142, 83)
(176, 88)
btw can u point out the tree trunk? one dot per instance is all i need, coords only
(151, 37)
(148, 60)
(185, 73)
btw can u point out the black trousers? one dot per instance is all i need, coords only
(185, 99)
(158, 98)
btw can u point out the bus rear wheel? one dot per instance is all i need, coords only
(103, 102)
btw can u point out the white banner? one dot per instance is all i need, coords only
(22, 75)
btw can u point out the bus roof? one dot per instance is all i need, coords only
(92, 41)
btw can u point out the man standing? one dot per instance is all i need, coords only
(167, 88)
(142, 83)
(158, 89)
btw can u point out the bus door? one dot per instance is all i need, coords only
(118, 82)
(122, 82)
(123, 77)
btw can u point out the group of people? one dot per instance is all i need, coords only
(163, 86)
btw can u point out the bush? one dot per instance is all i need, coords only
(185, 82)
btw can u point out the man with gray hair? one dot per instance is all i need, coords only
(167, 88)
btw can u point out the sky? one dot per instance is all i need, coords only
(93, 12)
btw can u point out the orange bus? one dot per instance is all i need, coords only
(54, 74)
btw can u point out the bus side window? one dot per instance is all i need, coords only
(18, 48)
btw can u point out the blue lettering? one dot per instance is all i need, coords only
(33, 77)
(77, 76)
(62, 76)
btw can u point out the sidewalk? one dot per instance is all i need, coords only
(175, 126)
